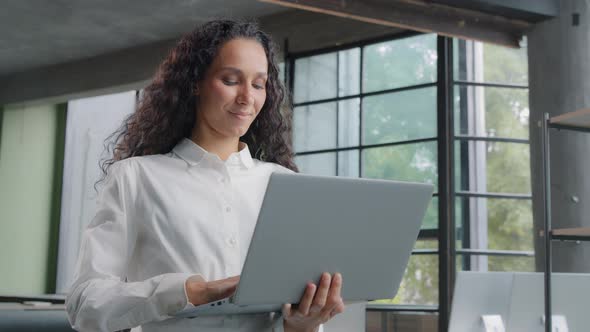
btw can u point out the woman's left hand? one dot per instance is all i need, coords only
(317, 305)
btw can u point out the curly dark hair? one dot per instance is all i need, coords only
(166, 112)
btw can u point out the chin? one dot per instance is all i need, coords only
(237, 132)
(242, 133)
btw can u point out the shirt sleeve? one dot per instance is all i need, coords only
(100, 299)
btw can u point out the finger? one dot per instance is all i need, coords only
(225, 284)
(338, 310)
(321, 294)
(334, 297)
(228, 283)
(227, 290)
(232, 280)
(329, 314)
(196, 290)
(287, 312)
(306, 299)
(220, 289)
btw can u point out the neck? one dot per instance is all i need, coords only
(223, 147)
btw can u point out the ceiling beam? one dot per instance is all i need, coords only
(118, 71)
(527, 10)
(421, 15)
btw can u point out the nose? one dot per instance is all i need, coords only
(245, 96)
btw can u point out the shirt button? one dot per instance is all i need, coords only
(228, 209)
(232, 241)
(222, 180)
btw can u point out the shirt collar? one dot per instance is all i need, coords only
(193, 154)
(244, 155)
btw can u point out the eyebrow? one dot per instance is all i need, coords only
(238, 71)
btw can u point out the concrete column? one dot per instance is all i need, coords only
(559, 80)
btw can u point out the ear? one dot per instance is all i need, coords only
(196, 89)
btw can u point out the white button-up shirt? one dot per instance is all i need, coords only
(161, 219)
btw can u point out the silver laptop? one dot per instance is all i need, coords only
(365, 229)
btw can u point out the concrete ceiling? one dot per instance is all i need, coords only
(56, 50)
(38, 33)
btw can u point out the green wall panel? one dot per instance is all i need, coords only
(29, 141)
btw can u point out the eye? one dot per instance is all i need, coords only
(259, 85)
(229, 82)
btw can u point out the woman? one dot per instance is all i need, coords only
(182, 193)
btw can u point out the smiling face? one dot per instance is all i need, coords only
(232, 93)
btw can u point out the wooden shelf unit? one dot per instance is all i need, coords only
(576, 121)
(571, 234)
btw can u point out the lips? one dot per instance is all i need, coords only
(241, 115)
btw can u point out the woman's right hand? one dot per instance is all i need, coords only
(200, 291)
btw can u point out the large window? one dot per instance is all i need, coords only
(373, 110)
